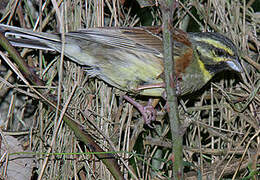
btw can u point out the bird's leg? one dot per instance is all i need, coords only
(148, 112)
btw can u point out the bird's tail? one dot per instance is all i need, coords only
(20, 37)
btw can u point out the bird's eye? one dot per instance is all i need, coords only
(220, 52)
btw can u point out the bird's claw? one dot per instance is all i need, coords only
(148, 112)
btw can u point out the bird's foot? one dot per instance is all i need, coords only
(148, 112)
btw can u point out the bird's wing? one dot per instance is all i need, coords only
(138, 39)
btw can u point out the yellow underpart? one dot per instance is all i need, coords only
(206, 73)
(217, 44)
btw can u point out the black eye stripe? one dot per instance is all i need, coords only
(221, 52)
(215, 68)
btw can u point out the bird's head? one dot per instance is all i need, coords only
(215, 52)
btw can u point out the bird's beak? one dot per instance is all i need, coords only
(235, 65)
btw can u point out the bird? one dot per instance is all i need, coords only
(131, 58)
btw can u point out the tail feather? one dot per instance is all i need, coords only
(20, 37)
(28, 43)
(48, 41)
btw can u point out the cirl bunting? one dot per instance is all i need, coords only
(131, 59)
